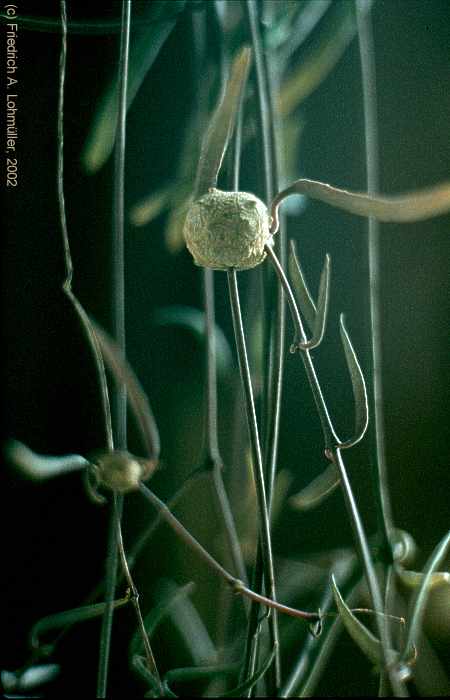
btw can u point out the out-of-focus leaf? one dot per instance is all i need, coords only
(358, 386)
(301, 27)
(161, 10)
(173, 596)
(185, 617)
(150, 207)
(221, 126)
(137, 397)
(194, 321)
(70, 617)
(143, 53)
(39, 467)
(317, 65)
(420, 599)
(317, 490)
(175, 195)
(402, 208)
(367, 642)
(139, 664)
(173, 232)
(413, 579)
(31, 678)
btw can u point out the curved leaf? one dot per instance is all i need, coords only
(367, 642)
(221, 126)
(358, 386)
(40, 467)
(143, 52)
(303, 295)
(419, 602)
(402, 208)
(317, 490)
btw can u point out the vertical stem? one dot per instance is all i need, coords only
(118, 293)
(398, 687)
(67, 283)
(274, 315)
(264, 527)
(367, 55)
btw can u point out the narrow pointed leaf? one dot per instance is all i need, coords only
(419, 602)
(39, 467)
(367, 642)
(317, 65)
(123, 373)
(303, 296)
(143, 53)
(317, 490)
(412, 206)
(221, 126)
(322, 307)
(152, 206)
(358, 386)
(70, 617)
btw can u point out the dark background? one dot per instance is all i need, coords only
(53, 538)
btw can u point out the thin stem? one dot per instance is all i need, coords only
(118, 292)
(273, 319)
(236, 585)
(118, 273)
(329, 434)
(67, 282)
(371, 578)
(264, 527)
(151, 663)
(213, 455)
(367, 59)
(303, 665)
(110, 589)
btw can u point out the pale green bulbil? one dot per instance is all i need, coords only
(227, 229)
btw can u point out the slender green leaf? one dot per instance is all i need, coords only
(359, 388)
(322, 307)
(367, 642)
(317, 65)
(143, 52)
(70, 617)
(317, 490)
(419, 601)
(402, 208)
(303, 295)
(152, 206)
(221, 126)
(123, 373)
(39, 467)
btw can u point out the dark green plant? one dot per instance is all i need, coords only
(257, 49)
